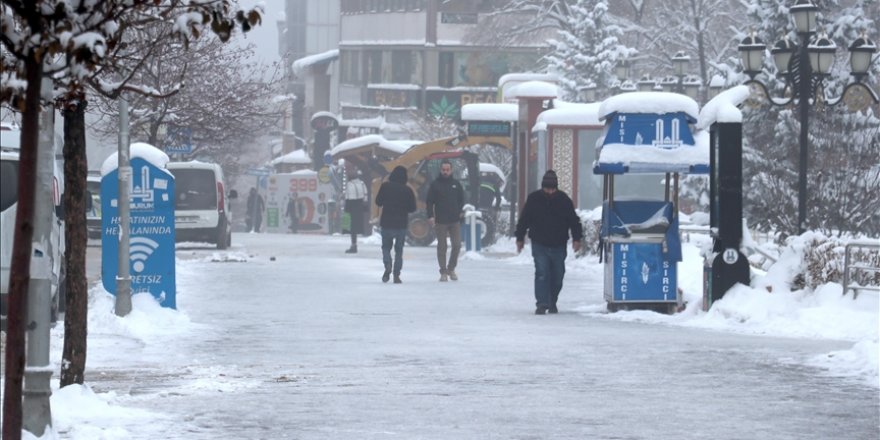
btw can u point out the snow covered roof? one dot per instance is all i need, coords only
(323, 114)
(649, 102)
(490, 168)
(299, 66)
(527, 76)
(569, 114)
(145, 151)
(294, 157)
(371, 139)
(532, 89)
(723, 108)
(490, 112)
(376, 122)
(511, 80)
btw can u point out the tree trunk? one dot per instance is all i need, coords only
(19, 275)
(75, 195)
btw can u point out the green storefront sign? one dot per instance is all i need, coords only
(488, 128)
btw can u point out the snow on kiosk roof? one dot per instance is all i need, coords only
(532, 89)
(377, 141)
(568, 114)
(500, 112)
(145, 151)
(650, 132)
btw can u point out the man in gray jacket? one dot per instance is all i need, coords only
(443, 205)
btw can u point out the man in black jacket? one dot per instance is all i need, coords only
(548, 215)
(443, 206)
(396, 200)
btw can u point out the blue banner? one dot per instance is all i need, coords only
(643, 272)
(665, 131)
(151, 250)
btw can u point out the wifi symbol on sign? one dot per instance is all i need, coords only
(139, 250)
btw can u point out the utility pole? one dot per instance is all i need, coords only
(37, 414)
(123, 278)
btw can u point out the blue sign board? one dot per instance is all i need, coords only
(488, 128)
(178, 140)
(643, 272)
(665, 131)
(151, 249)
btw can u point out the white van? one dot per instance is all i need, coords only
(201, 212)
(93, 215)
(10, 136)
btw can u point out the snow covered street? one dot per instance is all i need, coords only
(311, 344)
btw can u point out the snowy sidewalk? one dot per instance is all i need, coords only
(312, 345)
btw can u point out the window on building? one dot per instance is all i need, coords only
(401, 66)
(445, 74)
(480, 69)
(350, 66)
(373, 66)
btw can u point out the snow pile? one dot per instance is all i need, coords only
(771, 308)
(723, 108)
(490, 112)
(147, 323)
(80, 413)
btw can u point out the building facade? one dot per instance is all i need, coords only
(400, 56)
(310, 28)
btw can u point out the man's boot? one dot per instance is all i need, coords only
(397, 278)
(352, 250)
(387, 275)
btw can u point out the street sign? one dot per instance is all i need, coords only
(151, 253)
(488, 128)
(259, 172)
(178, 140)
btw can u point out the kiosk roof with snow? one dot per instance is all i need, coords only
(650, 132)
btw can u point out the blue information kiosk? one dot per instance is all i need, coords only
(151, 237)
(645, 133)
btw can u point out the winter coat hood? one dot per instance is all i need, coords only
(398, 175)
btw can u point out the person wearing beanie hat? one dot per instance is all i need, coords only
(550, 180)
(547, 216)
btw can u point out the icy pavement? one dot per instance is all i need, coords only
(287, 337)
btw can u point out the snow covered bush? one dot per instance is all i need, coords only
(821, 261)
(591, 222)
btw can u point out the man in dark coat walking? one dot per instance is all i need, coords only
(548, 215)
(396, 200)
(443, 206)
(255, 207)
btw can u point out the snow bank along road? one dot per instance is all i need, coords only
(313, 346)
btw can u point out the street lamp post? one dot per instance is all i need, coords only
(680, 82)
(804, 66)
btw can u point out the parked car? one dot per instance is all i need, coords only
(10, 136)
(201, 212)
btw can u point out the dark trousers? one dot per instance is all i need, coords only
(393, 238)
(549, 272)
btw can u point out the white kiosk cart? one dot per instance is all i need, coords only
(645, 133)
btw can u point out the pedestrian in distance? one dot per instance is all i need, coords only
(355, 204)
(548, 215)
(255, 207)
(443, 205)
(396, 200)
(292, 213)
